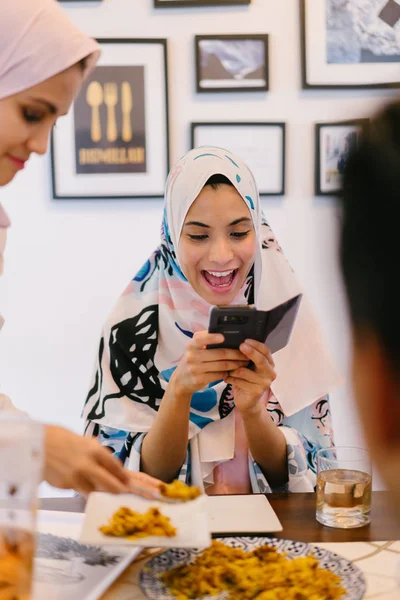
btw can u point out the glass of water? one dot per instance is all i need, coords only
(21, 453)
(344, 487)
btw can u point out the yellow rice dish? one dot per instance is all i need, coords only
(129, 524)
(179, 490)
(262, 574)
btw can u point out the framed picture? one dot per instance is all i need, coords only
(334, 142)
(260, 145)
(351, 44)
(232, 63)
(114, 142)
(178, 3)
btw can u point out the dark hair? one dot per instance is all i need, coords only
(216, 180)
(370, 236)
(83, 63)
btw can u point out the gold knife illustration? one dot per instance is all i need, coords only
(126, 95)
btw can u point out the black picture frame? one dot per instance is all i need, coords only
(247, 151)
(132, 168)
(335, 76)
(338, 155)
(220, 84)
(194, 3)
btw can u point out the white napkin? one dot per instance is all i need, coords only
(213, 445)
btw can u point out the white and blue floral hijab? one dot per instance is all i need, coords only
(148, 331)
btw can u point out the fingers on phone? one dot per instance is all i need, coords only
(259, 347)
(224, 354)
(248, 380)
(225, 365)
(245, 375)
(202, 339)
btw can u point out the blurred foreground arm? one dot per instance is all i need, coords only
(81, 463)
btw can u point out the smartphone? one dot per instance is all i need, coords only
(241, 322)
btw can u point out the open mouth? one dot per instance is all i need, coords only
(220, 280)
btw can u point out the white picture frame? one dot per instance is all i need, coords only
(261, 145)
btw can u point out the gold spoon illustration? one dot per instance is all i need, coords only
(94, 97)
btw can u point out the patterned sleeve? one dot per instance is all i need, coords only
(306, 432)
(127, 446)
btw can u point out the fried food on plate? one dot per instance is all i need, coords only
(179, 490)
(127, 523)
(262, 574)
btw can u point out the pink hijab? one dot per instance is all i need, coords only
(37, 41)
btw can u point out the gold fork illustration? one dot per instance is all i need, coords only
(111, 99)
(94, 97)
(126, 93)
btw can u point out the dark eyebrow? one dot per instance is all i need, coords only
(235, 222)
(241, 220)
(50, 107)
(197, 223)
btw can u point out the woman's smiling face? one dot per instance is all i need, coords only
(27, 118)
(218, 244)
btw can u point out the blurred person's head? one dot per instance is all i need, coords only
(370, 258)
(43, 61)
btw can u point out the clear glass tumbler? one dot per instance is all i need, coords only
(21, 461)
(344, 487)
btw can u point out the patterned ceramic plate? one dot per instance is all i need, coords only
(352, 578)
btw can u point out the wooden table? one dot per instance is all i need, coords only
(296, 512)
(378, 560)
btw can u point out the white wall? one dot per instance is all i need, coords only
(67, 261)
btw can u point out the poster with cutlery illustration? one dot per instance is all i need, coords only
(114, 141)
(109, 115)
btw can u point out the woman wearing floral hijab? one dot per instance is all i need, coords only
(43, 61)
(167, 405)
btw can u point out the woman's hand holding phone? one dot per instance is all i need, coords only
(249, 385)
(201, 366)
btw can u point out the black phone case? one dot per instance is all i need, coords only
(250, 323)
(253, 325)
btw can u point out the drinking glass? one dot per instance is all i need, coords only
(344, 487)
(21, 458)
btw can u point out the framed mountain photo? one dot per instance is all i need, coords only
(232, 63)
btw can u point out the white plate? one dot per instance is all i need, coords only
(190, 519)
(242, 514)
